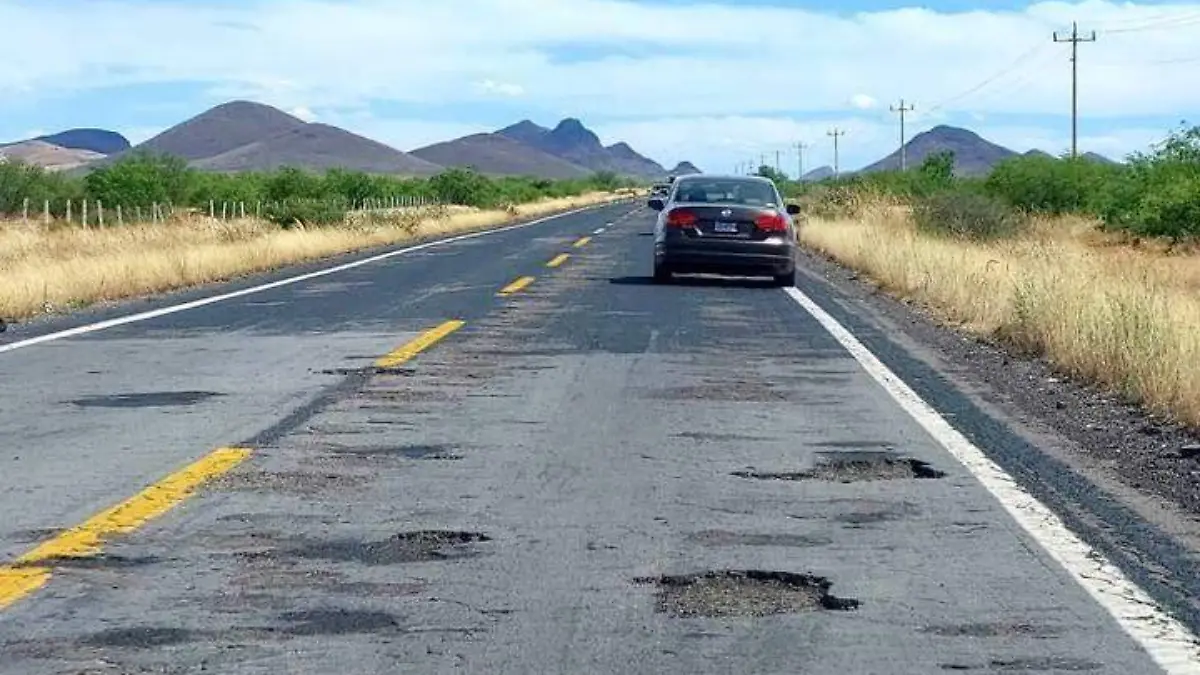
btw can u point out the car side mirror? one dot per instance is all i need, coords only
(656, 203)
(793, 209)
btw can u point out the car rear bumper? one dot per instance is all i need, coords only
(767, 260)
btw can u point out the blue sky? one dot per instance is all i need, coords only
(669, 76)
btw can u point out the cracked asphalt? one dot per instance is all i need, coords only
(593, 474)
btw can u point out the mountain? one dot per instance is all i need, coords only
(973, 155)
(1097, 157)
(48, 155)
(100, 141)
(684, 168)
(499, 155)
(221, 129)
(574, 142)
(626, 160)
(1038, 153)
(317, 147)
(819, 173)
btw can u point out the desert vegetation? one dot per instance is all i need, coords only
(148, 224)
(1090, 265)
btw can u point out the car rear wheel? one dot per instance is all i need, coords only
(662, 273)
(786, 280)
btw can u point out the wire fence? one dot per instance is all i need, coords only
(93, 212)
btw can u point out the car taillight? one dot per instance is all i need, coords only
(771, 222)
(681, 218)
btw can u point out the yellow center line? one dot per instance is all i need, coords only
(558, 260)
(404, 353)
(582, 242)
(32, 570)
(516, 286)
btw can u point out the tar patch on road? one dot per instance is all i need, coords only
(995, 629)
(102, 561)
(853, 467)
(293, 482)
(433, 451)
(140, 637)
(338, 622)
(405, 547)
(1045, 663)
(152, 399)
(726, 593)
(726, 538)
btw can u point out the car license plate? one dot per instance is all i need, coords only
(721, 226)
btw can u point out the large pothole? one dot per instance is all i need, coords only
(853, 467)
(405, 547)
(725, 593)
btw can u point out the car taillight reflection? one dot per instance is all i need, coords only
(681, 218)
(772, 221)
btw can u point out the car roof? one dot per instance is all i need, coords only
(723, 176)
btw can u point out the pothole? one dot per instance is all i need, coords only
(725, 593)
(433, 451)
(294, 482)
(852, 467)
(406, 547)
(102, 561)
(151, 399)
(1022, 664)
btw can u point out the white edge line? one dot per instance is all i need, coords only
(163, 311)
(1168, 642)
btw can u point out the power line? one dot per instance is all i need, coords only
(1028, 54)
(1074, 39)
(903, 150)
(1160, 23)
(835, 133)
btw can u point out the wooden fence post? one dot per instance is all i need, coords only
(100, 212)
(212, 209)
(25, 210)
(83, 213)
(46, 211)
(120, 218)
(68, 210)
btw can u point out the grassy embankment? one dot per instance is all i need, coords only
(1090, 266)
(53, 264)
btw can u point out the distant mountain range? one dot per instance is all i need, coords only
(246, 136)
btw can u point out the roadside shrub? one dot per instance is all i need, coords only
(307, 212)
(1159, 196)
(464, 187)
(967, 214)
(1053, 186)
(141, 178)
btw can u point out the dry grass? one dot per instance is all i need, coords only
(48, 268)
(1103, 311)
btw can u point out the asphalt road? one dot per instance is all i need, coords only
(541, 488)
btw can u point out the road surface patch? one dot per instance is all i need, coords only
(1042, 663)
(516, 286)
(558, 260)
(152, 399)
(854, 467)
(32, 570)
(289, 482)
(427, 451)
(727, 538)
(727, 593)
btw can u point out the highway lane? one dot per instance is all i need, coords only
(92, 418)
(568, 446)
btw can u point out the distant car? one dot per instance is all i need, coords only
(660, 189)
(735, 225)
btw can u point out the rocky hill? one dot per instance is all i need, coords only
(572, 141)
(499, 155)
(684, 168)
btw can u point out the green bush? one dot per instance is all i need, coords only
(1047, 185)
(141, 178)
(307, 212)
(967, 214)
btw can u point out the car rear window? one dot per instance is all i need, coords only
(749, 193)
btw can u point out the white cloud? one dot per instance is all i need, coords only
(470, 52)
(863, 102)
(501, 88)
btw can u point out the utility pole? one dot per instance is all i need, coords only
(777, 170)
(903, 150)
(1074, 39)
(800, 159)
(835, 133)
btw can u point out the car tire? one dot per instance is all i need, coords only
(786, 280)
(662, 274)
